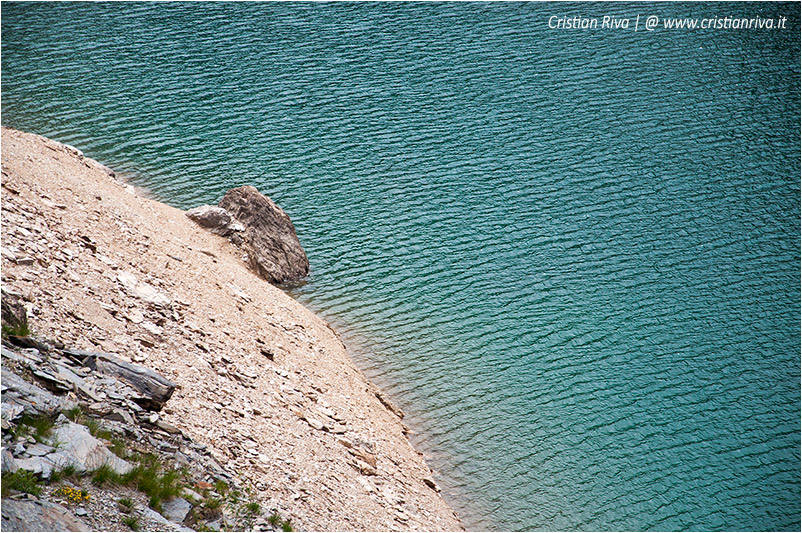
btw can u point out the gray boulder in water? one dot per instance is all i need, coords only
(274, 251)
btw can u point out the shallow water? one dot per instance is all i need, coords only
(572, 257)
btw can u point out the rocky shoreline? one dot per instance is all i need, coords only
(266, 400)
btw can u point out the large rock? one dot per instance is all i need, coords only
(19, 397)
(274, 251)
(76, 447)
(26, 515)
(153, 390)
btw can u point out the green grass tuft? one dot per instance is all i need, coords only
(97, 430)
(213, 504)
(68, 472)
(220, 487)
(75, 414)
(105, 475)
(22, 481)
(286, 526)
(131, 522)
(21, 330)
(155, 503)
(148, 478)
(119, 448)
(40, 427)
(126, 505)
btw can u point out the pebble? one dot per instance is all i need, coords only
(316, 424)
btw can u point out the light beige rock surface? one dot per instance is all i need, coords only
(262, 381)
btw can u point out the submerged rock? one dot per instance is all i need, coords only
(274, 251)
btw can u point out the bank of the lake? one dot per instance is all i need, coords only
(262, 381)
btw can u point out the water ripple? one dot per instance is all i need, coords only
(573, 259)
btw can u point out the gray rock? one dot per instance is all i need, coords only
(105, 169)
(274, 251)
(152, 328)
(99, 408)
(38, 449)
(11, 411)
(431, 484)
(142, 290)
(8, 254)
(154, 390)
(189, 493)
(150, 514)
(120, 415)
(40, 466)
(9, 464)
(76, 355)
(29, 342)
(53, 382)
(176, 509)
(366, 469)
(21, 356)
(215, 219)
(27, 515)
(13, 313)
(73, 150)
(67, 375)
(364, 456)
(387, 403)
(76, 447)
(32, 399)
(136, 316)
(90, 393)
(168, 427)
(315, 423)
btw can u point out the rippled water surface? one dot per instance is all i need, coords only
(572, 257)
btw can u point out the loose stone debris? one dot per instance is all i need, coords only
(166, 340)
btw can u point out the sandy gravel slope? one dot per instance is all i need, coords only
(262, 380)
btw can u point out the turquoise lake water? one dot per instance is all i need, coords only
(573, 257)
